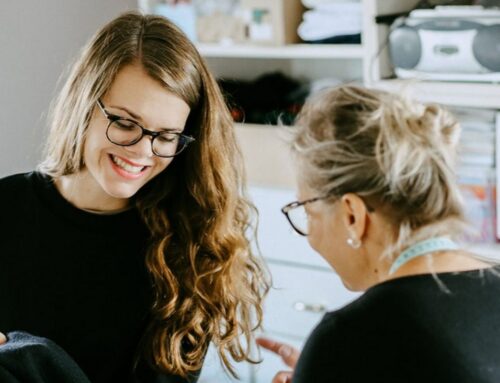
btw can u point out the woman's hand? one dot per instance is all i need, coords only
(3, 339)
(288, 354)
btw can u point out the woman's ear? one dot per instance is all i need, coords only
(354, 215)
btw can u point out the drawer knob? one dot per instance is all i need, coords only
(309, 307)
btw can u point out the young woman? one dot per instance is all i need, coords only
(128, 246)
(379, 201)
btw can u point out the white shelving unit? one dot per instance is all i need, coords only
(476, 95)
(380, 74)
(304, 61)
(301, 60)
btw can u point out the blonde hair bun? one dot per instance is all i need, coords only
(385, 147)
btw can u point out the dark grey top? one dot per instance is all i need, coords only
(411, 330)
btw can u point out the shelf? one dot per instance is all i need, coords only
(293, 51)
(479, 95)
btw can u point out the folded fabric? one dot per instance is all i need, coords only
(340, 8)
(320, 25)
(29, 359)
(312, 32)
(341, 39)
(333, 19)
(320, 3)
(334, 11)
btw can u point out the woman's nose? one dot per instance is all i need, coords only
(142, 148)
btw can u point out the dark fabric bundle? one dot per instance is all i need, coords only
(29, 359)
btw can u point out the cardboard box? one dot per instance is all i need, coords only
(220, 28)
(272, 22)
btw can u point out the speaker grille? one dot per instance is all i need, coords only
(405, 47)
(486, 47)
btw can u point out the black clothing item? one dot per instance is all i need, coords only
(265, 100)
(29, 359)
(76, 278)
(410, 330)
(339, 39)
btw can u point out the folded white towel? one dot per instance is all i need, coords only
(321, 25)
(350, 8)
(311, 32)
(347, 19)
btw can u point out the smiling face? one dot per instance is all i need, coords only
(113, 174)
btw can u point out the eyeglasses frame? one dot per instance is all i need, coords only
(145, 132)
(295, 204)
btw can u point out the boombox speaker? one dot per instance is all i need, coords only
(444, 44)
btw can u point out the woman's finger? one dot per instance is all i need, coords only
(3, 338)
(288, 354)
(283, 377)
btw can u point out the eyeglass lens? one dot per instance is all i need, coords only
(298, 217)
(125, 133)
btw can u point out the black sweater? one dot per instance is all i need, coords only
(74, 277)
(411, 330)
(29, 359)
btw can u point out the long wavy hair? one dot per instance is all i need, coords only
(208, 285)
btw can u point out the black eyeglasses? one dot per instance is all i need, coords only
(126, 132)
(296, 214)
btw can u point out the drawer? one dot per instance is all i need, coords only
(277, 240)
(300, 297)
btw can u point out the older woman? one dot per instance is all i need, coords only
(377, 198)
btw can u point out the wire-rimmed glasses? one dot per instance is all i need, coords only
(295, 213)
(126, 132)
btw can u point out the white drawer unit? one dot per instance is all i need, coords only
(300, 297)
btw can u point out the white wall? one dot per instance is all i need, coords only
(38, 39)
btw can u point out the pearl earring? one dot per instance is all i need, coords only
(354, 243)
